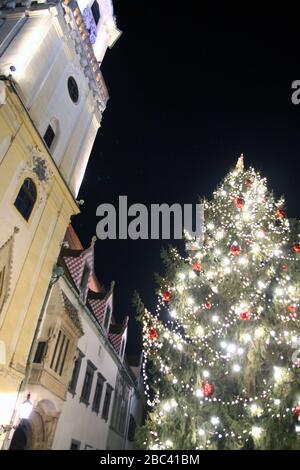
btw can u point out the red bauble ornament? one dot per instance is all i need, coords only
(296, 410)
(293, 311)
(208, 305)
(279, 214)
(208, 389)
(235, 250)
(239, 202)
(296, 248)
(167, 296)
(245, 315)
(197, 266)
(284, 267)
(248, 182)
(152, 334)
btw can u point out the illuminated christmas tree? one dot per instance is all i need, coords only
(220, 355)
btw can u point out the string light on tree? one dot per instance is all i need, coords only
(226, 356)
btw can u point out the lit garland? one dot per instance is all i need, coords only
(219, 372)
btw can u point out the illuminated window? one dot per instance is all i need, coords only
(26, 198)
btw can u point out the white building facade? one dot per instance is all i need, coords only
(52, 97)
(86, 414)
(53, 52)
(85, 396)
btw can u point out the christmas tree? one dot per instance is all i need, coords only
(220, 354)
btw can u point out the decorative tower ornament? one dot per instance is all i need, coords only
(240, 164)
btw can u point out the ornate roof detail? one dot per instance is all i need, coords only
(117, 333)
(76, 261)
(99, 302)
(72, 312)
(79, 33)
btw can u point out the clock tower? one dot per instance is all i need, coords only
(52, 97)
(53, 52)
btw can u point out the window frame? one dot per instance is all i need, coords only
(131, 428)
(98, 395)
(107, 318)
(24, 193)
(77, 443)
(85, 277)
(52, 136)
(107, 402)
(120, 407)
(86, 394)
(40, 352)
(60, 352)
(75, 373)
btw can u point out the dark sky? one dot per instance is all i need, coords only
(190, 89)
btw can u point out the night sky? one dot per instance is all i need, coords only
(190, 89)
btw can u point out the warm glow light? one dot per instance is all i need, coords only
(26, 408)
(173, 314)
(215, 421)
(7, 403)
(167, 407)
(259, 332)
(238, 312)
(256, 432)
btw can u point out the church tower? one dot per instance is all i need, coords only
(53, 52)
(52, 97)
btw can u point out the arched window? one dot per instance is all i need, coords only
(26, 198)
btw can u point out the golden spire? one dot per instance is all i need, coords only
(240, 163)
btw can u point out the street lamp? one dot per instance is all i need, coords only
(26, 408)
